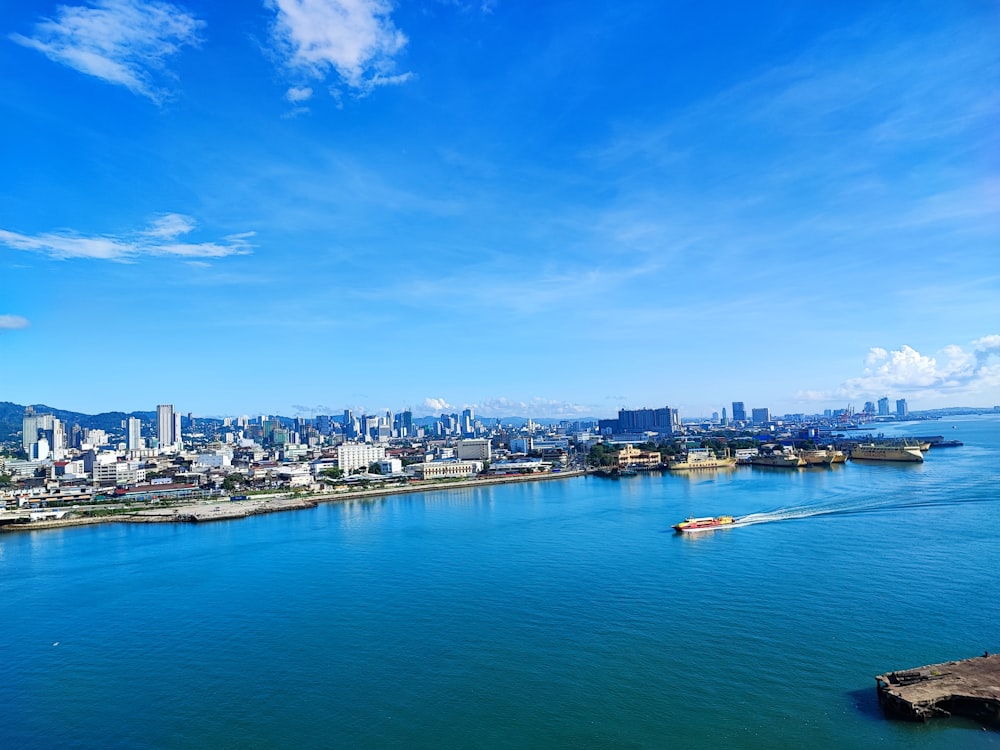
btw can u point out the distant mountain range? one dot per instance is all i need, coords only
(11, 416)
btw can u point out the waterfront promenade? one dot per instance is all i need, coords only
(221, 509)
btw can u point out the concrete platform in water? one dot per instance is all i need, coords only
(970, 687)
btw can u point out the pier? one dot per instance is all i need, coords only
(969, 687)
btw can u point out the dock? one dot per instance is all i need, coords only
(969, 687)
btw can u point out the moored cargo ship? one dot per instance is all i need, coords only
(887, 452)
(701, 458)
(779, 459)
(823, 456)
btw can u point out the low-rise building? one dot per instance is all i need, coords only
(630, 456)
(444, 469)
(119, 473)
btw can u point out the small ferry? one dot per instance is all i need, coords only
(690, 525)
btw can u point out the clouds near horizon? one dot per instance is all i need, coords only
(122, 42)
(953, 371)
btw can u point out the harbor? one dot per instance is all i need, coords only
(968, 688)
(491, 601)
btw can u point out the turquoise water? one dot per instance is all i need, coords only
(551, 614)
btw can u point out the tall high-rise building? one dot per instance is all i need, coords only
(165, 425)
(760, 416)
(33, 427)
(883, 406)
(902, 410)
(178, 443)
(324, 424)
(739, 412)
(405, 423)
(133, 434)
(29, 429)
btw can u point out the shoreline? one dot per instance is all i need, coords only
(228, 510)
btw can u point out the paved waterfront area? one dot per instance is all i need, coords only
(221, 509)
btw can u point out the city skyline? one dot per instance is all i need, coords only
(554, 211)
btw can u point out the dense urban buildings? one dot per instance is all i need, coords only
(161, 454)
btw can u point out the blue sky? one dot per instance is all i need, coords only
(538, 209)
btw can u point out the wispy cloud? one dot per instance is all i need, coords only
(952, 371)
(159, 239)
(356, 39)
(12, 322)
(123, 42)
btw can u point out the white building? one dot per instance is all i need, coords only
(39, 450)
(165, 426)
(391, 466)
(133, 434)
(215, 460)
(119, 473)
(351, 456)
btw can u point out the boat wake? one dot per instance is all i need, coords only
(849, 507)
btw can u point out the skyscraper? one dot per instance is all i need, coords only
(883, 406)
(760, 416)
(165, 425)
(133, 434)
(902, 410)
(32, 425)
(739, 412)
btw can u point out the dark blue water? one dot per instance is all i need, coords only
(559, 613)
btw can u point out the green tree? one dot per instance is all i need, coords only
(332, 473)
(601, 455)
(374, 468)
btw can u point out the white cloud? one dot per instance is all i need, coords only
(124, 42)
(298, 94)
(906, 371)
(11, 322)
(169, 226)
(437, 404)
(355, 38)
(159, 239)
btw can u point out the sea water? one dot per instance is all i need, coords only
(548, 614)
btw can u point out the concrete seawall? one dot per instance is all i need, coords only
(970, 688)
